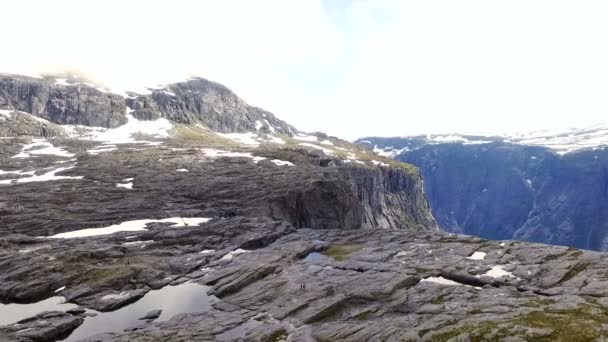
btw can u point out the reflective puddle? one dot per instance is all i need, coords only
(172, 300)
(12, 313)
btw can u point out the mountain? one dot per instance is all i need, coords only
(180, 213)
(549, 187)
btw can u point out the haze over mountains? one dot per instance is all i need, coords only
(547, 186)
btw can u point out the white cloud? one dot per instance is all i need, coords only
(383, 67)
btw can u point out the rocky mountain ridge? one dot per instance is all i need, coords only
(195, 101)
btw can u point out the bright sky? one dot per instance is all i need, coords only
(349, 68)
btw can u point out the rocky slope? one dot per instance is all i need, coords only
(502, 190)
(170, 230)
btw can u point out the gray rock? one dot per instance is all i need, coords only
(153, 314)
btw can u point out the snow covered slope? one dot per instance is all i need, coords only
(561, 141)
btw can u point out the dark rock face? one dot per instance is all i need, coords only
(505, 191)
(47, 326)
(77, 104)
(153, 314)
(358, 198)
(208, 103)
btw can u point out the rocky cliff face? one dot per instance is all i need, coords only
(507, 191)
(77, 104)
(196, 101)
(208, 103)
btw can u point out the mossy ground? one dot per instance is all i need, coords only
(584, 323)
(340, 252)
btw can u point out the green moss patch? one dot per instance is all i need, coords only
(340, 252)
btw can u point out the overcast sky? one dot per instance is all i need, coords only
(349, 68)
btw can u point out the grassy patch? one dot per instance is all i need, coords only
(581, 324)
(439, 299)
(482, 331)
(106, 274)
(200, 135)
(340, 252)
(538, 302)
(362, 315)
(279, 335)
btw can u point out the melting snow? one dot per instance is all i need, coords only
(60, 289)
(441, 280)
(123, 134)
(275, 140)
(49, 176)
(135, 243)
(182, 170)
(375, 162)
(218, 153)
(102, 149)
(281, 162)
(305, 137)
(258, 125)
(4, 114)
(121, 295)
(326, 142)
(234, 253)
(206, 251)
(477, 256)
(125, 185)
(270, 126)
(249, 138)
(129, 226)
(498, 272)
(61, 81)
(325, 150)
(40, 146)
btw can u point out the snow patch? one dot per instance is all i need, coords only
(234, 253)
(49, 176)
(498, 272)
(281, 162)
(42, 147)
(477, 256)
(129, 226)
(442, 281)
(124, 134)
(219, 153)
(375, 162)
(248, 138)
(270, 127)
(182, 170)
(325, 150)
(138, 242)
(121, 295)
(304, 137)
(206, 251)
(125, 185)
(275, 140)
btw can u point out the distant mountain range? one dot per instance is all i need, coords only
(546, 186)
